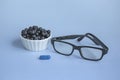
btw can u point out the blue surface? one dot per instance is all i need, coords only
(62, 17)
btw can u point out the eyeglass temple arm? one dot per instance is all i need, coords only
(79, 39)
(67, 37)
(94, 39)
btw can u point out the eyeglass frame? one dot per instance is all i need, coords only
(92, 37)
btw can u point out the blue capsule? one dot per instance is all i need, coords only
(44, 57)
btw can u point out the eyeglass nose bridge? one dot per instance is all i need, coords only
(76, 47)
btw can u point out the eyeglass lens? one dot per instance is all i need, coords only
(91, 53)
(63, 47)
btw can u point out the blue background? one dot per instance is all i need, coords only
(62, 17)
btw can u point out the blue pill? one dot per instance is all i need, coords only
(44, 57)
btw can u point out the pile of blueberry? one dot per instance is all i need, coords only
(35, 33)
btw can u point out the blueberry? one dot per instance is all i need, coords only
(48, 31)
(35, 27)
(36, 38)
(38, 31)
(27, 35)
(42, 37)
(31, 32)
(39, 38)
(24, 32)
(37, 34)
(43, 30)
(26, 29)
(24, 36)
(40, 28)
(30, 28)
(44, 33)
(47, 35)
(33, 36)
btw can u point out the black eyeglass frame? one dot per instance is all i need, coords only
(92, 37)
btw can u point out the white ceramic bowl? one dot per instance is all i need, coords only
(35, 45)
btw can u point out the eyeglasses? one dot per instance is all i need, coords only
(87, 52)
